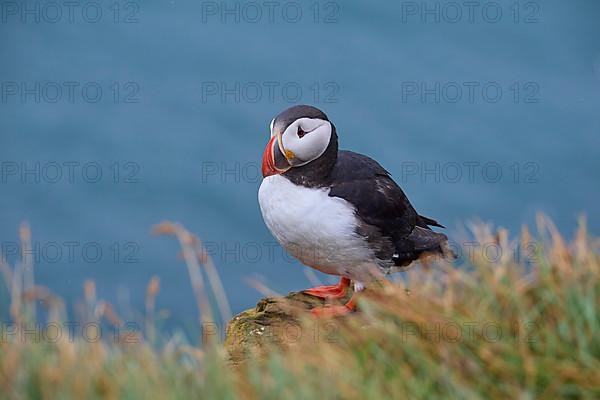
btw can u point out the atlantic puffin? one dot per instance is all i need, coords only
(337, 211)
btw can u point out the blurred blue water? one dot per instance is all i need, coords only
(188, 155)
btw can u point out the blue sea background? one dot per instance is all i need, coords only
(185, 154)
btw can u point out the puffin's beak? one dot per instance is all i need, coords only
(274, 161)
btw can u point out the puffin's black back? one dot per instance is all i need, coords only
(390, 223)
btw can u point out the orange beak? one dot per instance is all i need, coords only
(274, 162)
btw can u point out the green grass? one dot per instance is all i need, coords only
(402, 344)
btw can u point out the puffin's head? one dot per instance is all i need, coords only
(299, 135)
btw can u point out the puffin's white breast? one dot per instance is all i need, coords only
(316, 229)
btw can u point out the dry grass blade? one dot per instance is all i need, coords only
(26, 264)
(262, 288)
(6, 273)
(151, 293)
(194, 253)
(215, 281)
(187, 243)
(312, 277)
(54, 304)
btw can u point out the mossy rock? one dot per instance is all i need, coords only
(274, 321)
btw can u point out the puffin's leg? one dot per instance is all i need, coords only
(334, 310)
(330, 292)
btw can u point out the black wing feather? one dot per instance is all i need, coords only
(389, 218)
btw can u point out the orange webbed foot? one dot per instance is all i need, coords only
(334, 310)
(330, 292)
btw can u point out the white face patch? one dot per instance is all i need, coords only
(271, 126)
(307, 139)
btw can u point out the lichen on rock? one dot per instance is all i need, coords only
(274, 321)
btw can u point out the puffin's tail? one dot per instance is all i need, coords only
(420, 242)
(432, 241)
(426, 221)
(425, 240)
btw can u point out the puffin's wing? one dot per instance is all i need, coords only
(399, 233)
(378, 200)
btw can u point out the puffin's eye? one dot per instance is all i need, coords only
(301, 133)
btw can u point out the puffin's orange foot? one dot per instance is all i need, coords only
(330, 292)
(334, 310)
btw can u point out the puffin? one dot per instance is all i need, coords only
(337, 211)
